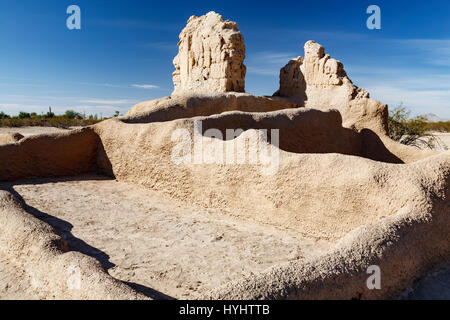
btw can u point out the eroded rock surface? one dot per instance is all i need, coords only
(211, 56)
(320, 82)
(10, 138)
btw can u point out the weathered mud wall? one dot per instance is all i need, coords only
(402, 246)
(51, 155)
(320, 82)
(178, 107)
(10, 138)
(210, 58)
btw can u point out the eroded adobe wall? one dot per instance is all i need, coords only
(178, 107)
(210, 58)
(375, 146)
(10, 138)
(404, 246)
(52, 155)
(326, 195)
(320, 82)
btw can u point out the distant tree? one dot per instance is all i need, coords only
(4, 115)
(33, 114)
(24, 115)
(410, 131)
(73, 115)
(116, 114)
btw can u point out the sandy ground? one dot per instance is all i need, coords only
(14, 282)
(29, 131)
(144, 239)
(443, 138)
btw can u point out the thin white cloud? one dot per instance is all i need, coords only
(166, 46)
(434, 51)
(420, 89)
(136, 24)
(111, 102)
(262, 71)
(419, 101)
(144, 86)
(411, 79)
(98, 108)
(16, 82)
(268, 63)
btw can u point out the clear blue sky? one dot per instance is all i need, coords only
(123, 53)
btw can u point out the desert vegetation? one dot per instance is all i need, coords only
(441, 126)
(414, 131)
(69, 119)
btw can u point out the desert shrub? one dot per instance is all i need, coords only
(3, 115)
(24, 115)
(73, 115)
(442, 126)
(410, 131)
(43, 121)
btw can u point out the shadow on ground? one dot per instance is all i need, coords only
(64, 230)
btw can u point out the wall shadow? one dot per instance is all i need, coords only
(373, 148)
(64, 229)
(312, 131)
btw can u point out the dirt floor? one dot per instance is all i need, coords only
(159, 247)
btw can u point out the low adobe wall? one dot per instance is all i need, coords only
(49, 155)
(10, 138)
(404, 246)
(188, 106)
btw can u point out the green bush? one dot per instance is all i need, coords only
(410, 131)
(43, 121)
(24, 115)
(73, 115)
(4, 115)
(442, 126)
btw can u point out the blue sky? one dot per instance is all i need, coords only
(123, 53)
